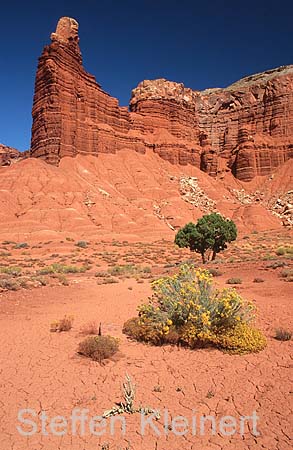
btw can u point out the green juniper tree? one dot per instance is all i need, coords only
(211, 232)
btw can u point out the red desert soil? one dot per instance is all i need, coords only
(42, 370)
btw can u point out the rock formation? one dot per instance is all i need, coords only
(246, 128)
(8, 155)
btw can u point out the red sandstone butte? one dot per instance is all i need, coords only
(246, 128)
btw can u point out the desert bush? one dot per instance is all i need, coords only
(276, 265)
(21, 245)
(9, 284)
(258, 280)
(280, 251)
(283, 335)
(144, 331)
(82, 244)
(64, 324)
(215, 272)
(234, 281)
(122, 270)
(287, 274)
(98, 348)
(186, 308)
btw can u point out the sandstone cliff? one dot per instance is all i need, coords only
(8, 155)
(246, 128)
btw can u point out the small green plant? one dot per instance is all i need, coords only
(234, 281)
(99, 348)
(64, 324)
(211, 232)
(283, 335)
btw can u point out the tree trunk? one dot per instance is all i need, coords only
(203, 258)
(214, 255)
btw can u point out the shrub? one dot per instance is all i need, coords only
(276, 265)
(287, 274)
(21, 245)
(98, 347)
(280, 251)
(82, 244)
(283, 335)
(145, 331)
(185, 308)
(122, 270)
(234, 281)
(215, 272)
(258, 280)
(64, 324)
(10, 284)
(212, 231)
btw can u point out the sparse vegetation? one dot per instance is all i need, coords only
(61, 268)
(11, 270)
(64, 324)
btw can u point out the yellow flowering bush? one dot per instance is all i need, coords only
(186, 308)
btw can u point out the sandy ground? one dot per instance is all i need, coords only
(43, 372)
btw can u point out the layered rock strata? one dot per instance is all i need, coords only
(246, 128)
(9, 155)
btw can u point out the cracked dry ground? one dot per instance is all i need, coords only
(42, 371)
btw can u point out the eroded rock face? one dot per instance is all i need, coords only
(249, 124)
(8, 155)
(246, 128)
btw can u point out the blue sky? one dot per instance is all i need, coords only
(202, 44)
